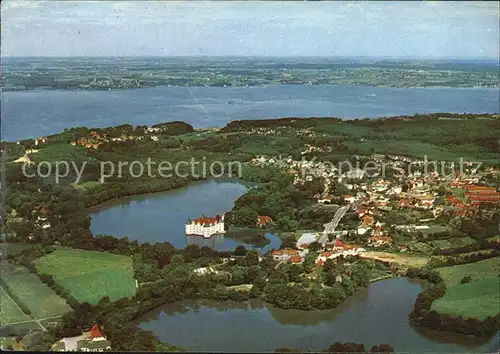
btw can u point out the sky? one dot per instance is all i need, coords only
(421, 29)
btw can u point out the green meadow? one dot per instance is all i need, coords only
(90, 275)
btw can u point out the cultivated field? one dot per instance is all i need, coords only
(9, 311)
(89, 275)
(39, 298)
(478, 298)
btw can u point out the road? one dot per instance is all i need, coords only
(330, 227)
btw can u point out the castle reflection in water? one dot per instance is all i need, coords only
(201, 241)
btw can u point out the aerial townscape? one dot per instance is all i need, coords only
(173, 187)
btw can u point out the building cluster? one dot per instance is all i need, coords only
(281, 130)
(371, 194)
(338, 249)
(482, 194)
(289, 255)
(96, 139)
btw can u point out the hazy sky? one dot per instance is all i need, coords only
(389, 29)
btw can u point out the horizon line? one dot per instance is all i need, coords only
(255, 56)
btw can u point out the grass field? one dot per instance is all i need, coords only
(90, 275)
(453, 243)
(487, 268)
(9, 311)
(38, 297)
(478, 298)
(86, 185)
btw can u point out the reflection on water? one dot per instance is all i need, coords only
(378, 314)
(211, 242)
(232, 240)
(468, 342)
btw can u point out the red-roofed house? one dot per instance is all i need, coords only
(263, 220)
(96, 333)
(285, 254)
(205, 226)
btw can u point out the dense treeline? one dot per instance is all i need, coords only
(338, 347)
(297, 123)
(468, 248)
(464, 258)
(174, 128)
(424, 316)
(283, 202)
(300, 123)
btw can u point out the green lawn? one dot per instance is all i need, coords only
(90, 275)
(478, 299)
(9, 311)
(441, 244)
(38, 297)
(463, 241)
(453, 242)
(487, 268)
(86, 185)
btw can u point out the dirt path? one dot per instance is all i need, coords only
(36, 320)
(397, 259)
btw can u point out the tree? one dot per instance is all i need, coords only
(382, 348)
(314, 246)
(252, 258)
(245, 217)
(466, 279)
(240, 251)
(288, 242)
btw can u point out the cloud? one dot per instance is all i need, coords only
(249, 28)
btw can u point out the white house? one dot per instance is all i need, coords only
(204, 270)
(205, 226)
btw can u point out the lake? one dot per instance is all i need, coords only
(35, 113)
(161, 217)
(376, 315)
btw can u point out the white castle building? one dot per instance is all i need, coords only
(205, 226)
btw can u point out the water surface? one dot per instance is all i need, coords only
(161, 217)
(376, 315)
(35, 113)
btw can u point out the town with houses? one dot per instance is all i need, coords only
(369, 197)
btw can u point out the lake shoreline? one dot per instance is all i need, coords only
(252, 312)
(116, 201)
